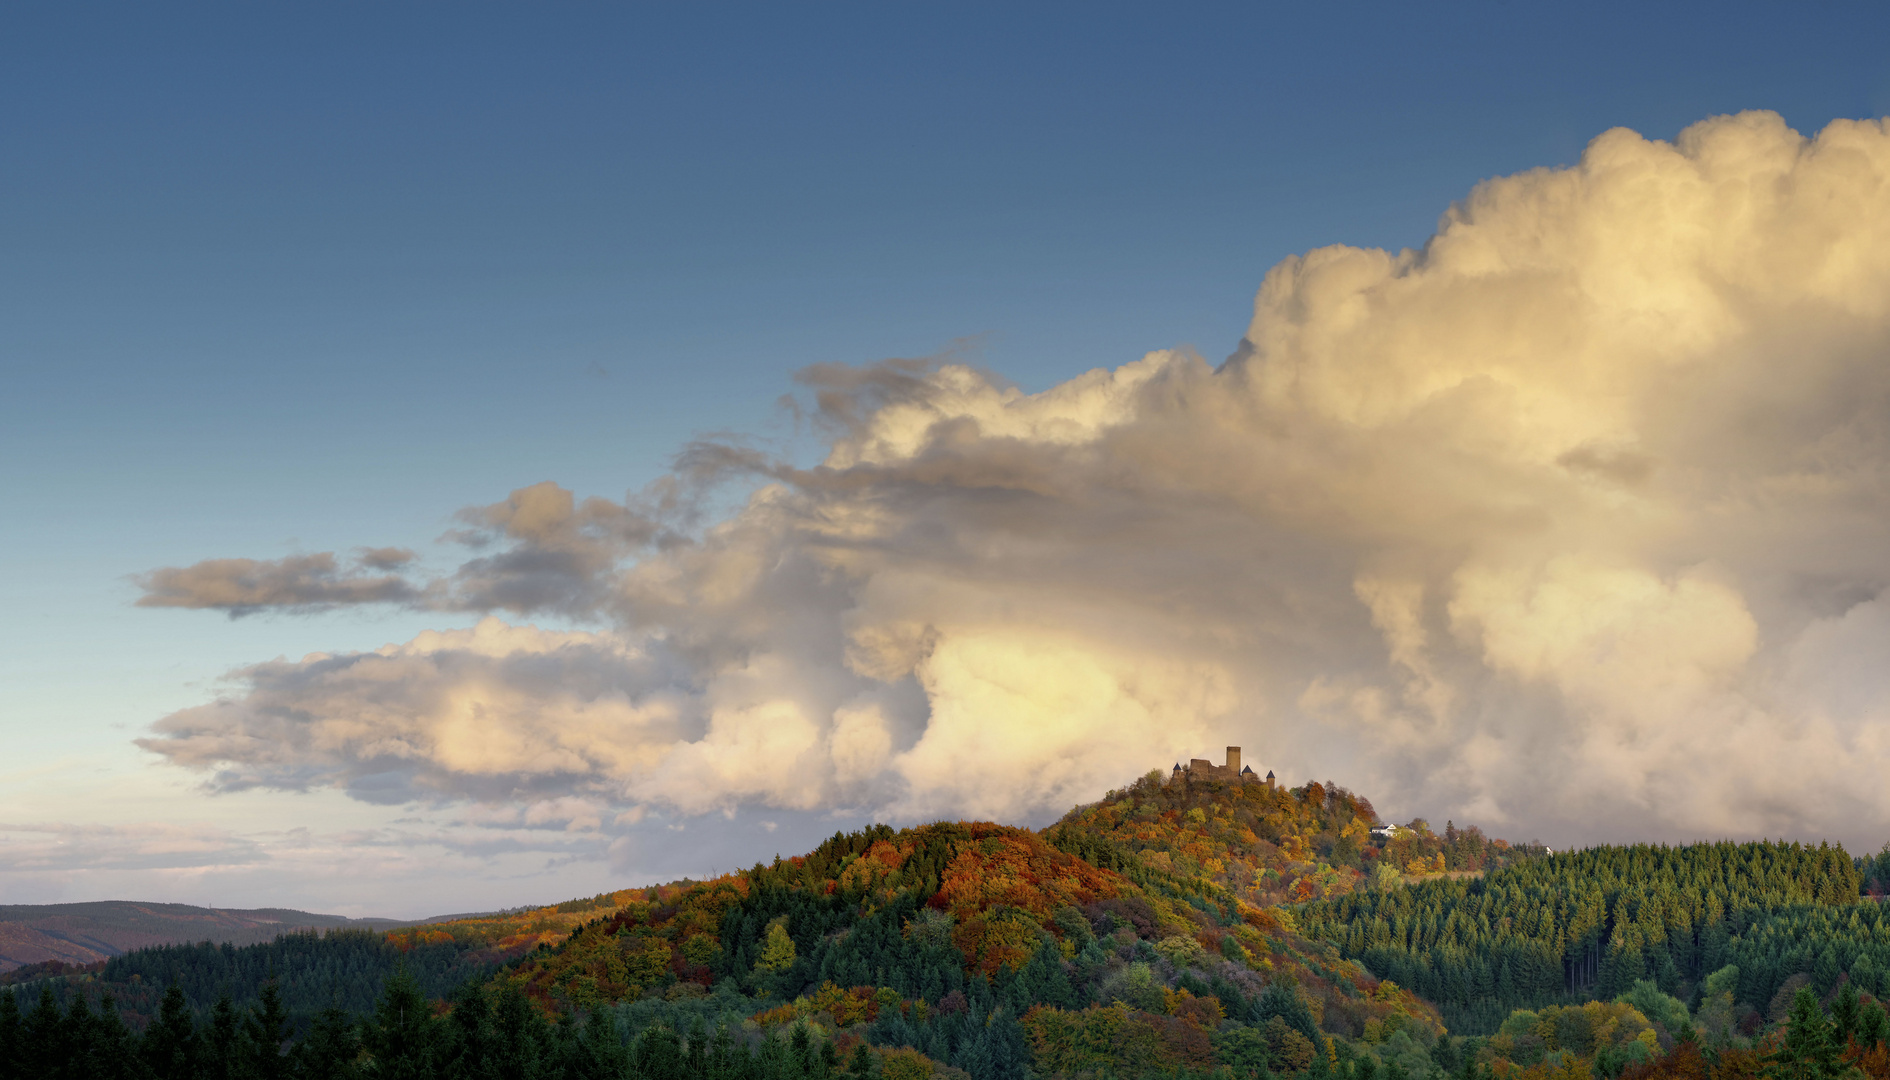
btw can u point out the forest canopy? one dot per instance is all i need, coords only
(1178, 927)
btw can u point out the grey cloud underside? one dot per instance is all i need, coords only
(1572, 524)
(297, 583)
(549, 554)
(384, 558)
(340, 721)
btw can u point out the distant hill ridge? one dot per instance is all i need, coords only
(88, 932)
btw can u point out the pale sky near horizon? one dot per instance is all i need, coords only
(299, 279)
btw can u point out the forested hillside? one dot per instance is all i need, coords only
(1152, 934)
(973, 947)
(1271, 845)
(346, 969)
(1589, 924)
(966, 941)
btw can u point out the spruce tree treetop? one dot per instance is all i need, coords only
(1807, 1051)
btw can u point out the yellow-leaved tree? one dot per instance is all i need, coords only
(777, 952)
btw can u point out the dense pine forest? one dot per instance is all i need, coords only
(1185, 928)
(344, 969)
(1589, 925)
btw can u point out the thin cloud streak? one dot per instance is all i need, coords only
(297, 583)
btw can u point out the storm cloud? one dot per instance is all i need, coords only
(1572, 523)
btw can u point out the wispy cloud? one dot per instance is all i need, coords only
(300, 583)
(419, 866)
(27, 847)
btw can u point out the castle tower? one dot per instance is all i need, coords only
(1203, 769)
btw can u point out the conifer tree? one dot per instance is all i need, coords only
(598, 1052)
(73, 1051)
(518, 1035)
(1282, 1000)
(1873, 1026)
(724, 1062)
(401, 1037)
(466, 1043)
(331, 1048)
(801, 1050)
(170, 1048)
(223, 1054)
(40, 1036)
(114, 1049)
(268, 1029)
(11, 1037)
(1807, 1051)
(1844, 1015)
(658, 1053)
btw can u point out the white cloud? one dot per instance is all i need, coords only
(1574, 521)
(495, 711)
(1022, 721)
(861, 743)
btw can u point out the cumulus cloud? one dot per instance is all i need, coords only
(554, 553)
(1572, 522)
(500, 712)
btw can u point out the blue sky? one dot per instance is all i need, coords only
(277, 279)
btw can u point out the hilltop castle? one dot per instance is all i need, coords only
(1203, 769)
